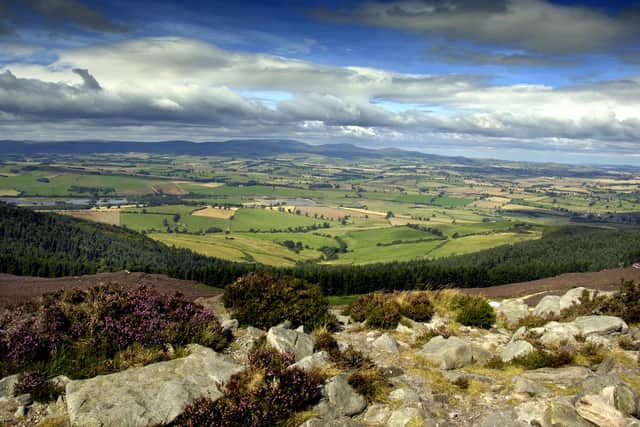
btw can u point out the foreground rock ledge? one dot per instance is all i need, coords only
(151, 395)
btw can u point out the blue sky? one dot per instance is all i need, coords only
(516, 79)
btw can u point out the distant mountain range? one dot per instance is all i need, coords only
(232, 148)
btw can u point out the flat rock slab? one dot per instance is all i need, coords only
(152, 395)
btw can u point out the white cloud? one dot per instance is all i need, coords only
(164, 86)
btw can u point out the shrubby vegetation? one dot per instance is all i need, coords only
(263, 301)
(384, 311)
(82, 333)
(266, 393)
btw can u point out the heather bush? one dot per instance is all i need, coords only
(378, 310)
(263, 301)
(87, 332)
(416, 306)
(266, 393)
(625, 304)
(38, 386)
(541, 358)
(476, 312)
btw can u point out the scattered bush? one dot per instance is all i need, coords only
(371, 383)
(38, 386)
(495, 362)
(461, 382)
(626, 304)
(378, 310)
(593, 353)
(476, 312)
(416, 306)
(532, 321)
(545, 359)
(80, 332)
(266, 393)
(263, 301)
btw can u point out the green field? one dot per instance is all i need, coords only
(471, 209)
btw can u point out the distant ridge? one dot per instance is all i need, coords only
(239, 148)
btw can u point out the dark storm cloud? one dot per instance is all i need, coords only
(17, 12)
(90, 82)
(534, 25)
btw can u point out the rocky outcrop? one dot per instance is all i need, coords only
(288, 340)
(151, 395)
(317, 360)
(448, 353)
(516, 349)
(340, 399)
(512, 311)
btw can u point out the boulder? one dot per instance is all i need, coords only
(8, 385)
(506, 417)
(556, 333)
(404, 395)
(150, 395)
(513, 311)
(548, 306)
(625, 399)
(386, 343)
(516, 349)
(570, 375)
(447, 353)
(408, 417)
(376, 414)
(526, 386)
(594, 409)
(341, 398)
(601, 325)
(562, 413)
(317, 360)
(230, 325)
(595, 385)
(573, 296)
(288, 340)
(334, 422)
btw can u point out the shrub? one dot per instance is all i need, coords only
(80, 332)
(532, 321)
(263, 301)
(325, 341)
(626, 304)
(266, 393)
(627, 343)
(545, 359)
(376, 309)
(476, 312)
(371, 383)
(416, 306)
(40, 388)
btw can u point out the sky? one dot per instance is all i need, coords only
(536, 80)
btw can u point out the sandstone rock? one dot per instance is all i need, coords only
(404, 395)
(516, 349)
(408, 417)
(150, 395)
(342, 398)
(600, 325)
(562, 413)
(519, 333)
(549, 305)
(502, 418)
(625, 399)
(526, 386)
(595, 385)
(531, 413)
(377, 415)
(556, 333)
(386, 343)
(20, 412)
(8, 385)
(573, 296)
(317, 360)
(594, 409)
(570, 375)
(448, 353)
(287, 340)
(24, 399)
(335, 422)
(513, 310)
(230, 325)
